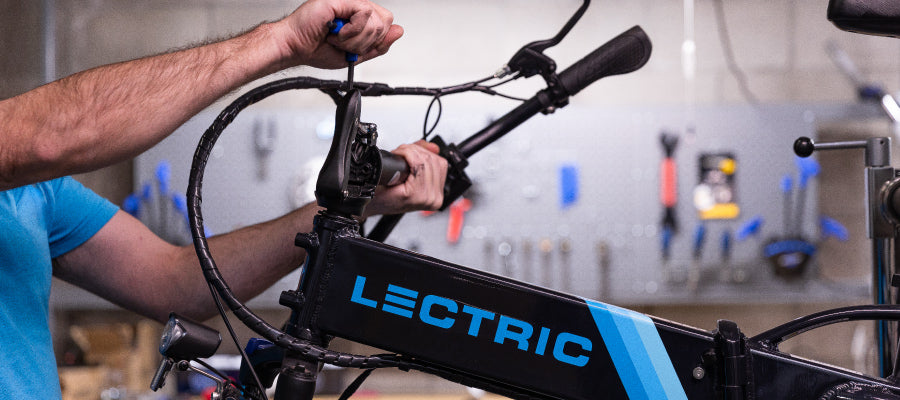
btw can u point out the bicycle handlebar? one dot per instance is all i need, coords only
(623, 54)
(394, 169)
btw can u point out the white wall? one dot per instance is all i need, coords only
(779, 44)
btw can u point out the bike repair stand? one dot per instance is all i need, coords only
(882, 223)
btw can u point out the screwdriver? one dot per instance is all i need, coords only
(333, 28)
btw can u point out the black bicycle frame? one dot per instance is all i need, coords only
(532, 342)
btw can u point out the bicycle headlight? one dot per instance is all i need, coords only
(183, 339)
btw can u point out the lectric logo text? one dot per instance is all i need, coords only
(567, 347)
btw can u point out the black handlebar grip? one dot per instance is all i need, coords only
(623, 54)
(394, 169)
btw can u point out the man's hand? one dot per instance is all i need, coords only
(370, 32)
(423, 189)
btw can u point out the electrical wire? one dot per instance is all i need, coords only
(425, 131)
(505, 81)
(505, 96)
(733, 67)
(351, 389)
(210, 368)
(215, 295)
(469, 86)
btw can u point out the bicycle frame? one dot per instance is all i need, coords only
(531, 342)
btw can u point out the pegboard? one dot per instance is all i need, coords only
(568, 201)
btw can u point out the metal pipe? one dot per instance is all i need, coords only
(895, 327)
(881, 261)
(49, 22)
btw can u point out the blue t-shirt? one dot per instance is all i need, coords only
(40, 222)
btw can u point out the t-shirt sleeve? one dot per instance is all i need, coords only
(75, 215)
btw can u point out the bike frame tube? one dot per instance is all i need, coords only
(533, 341)
(538, 342)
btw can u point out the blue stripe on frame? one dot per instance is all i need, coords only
(637, 352)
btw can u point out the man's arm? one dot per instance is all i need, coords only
(130, 266)
(109, 114)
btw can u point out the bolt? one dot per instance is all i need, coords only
(698, 373)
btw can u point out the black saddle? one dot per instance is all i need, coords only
(870, 17)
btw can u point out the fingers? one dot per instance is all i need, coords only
(427, 172)
(432, 147)
(395, 32)
(370, 31)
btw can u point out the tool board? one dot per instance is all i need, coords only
(569, 200)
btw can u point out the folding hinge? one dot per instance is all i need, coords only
(733, 362)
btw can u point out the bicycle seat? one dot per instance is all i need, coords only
(870, 17)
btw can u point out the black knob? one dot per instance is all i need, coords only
(804, 146)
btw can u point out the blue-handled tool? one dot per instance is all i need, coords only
(333, 28)
(163, 179)
(693, 280)
(699, 240)
(832, 227)
(725, 243)
(163, 212)
(749, 228)
(666, 238)
(132, 205)
(807, 168)
(787, 185)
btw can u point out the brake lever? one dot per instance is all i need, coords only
(530, 60)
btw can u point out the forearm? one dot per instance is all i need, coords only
(250, 260)
(129, 265)
(112, 113)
